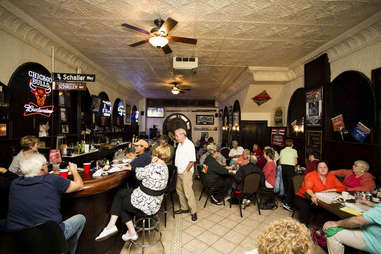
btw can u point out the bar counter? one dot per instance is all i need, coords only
(94, 202)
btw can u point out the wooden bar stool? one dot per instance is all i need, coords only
(148, 229)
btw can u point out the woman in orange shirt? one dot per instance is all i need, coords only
(316, 181)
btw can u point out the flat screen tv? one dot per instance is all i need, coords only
(155, 112)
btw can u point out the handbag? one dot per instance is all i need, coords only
(318, 236)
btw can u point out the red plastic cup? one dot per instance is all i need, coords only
(86, 167)
(64, 173)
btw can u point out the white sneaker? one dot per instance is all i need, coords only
(106, 233)
(128, 237)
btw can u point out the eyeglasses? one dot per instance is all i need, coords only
(138, 145)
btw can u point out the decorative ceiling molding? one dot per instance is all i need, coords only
(360, 36)
(41, 38)
(272, 74)
(244, 80)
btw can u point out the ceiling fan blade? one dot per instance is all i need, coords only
(182, 39)
(135, 28)
(138, 43)
(168, 25)
(167, 49)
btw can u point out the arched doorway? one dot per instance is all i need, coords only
(176, 121)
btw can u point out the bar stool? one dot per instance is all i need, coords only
(148, 225)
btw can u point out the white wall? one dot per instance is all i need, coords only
(364, 60)
(16, 52)
(187, 111)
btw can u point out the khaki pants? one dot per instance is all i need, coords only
(185, 191)
(353, 238)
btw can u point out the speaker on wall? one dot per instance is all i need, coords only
(142, 113)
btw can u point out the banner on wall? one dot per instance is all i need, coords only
(314, 105)
(41, 88)
(278, 136)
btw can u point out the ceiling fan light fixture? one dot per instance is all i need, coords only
(158, 41)
(175, 91)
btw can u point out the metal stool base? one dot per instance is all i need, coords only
(146, 229)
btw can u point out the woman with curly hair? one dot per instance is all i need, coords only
(286, 236)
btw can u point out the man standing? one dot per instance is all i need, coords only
(288, 159)
(35, 198)
(184, 160)
(360, 232)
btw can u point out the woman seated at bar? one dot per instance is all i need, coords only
(145, 199)
(270, 168)
(319, 180)
(243, 159)
(215, 176)
(29, 145)
(357, 178)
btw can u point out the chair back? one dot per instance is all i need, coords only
(251, 183)
(172, 178)
(45, 238)
(225, 152)
(297, 182)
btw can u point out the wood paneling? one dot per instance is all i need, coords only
(254, 132)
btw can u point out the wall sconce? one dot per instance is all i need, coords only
(298, 128)
(225, 128)
(235, 128)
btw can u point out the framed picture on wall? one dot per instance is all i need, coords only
(204, 119)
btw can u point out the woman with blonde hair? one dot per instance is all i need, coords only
(29, 145)
(145, 199)
(286, 236)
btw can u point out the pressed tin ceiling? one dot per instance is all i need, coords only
(232, 34)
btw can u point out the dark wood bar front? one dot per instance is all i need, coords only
(94, 202)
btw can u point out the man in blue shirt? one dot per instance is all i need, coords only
(35, 198)
(361, 232)
(143, 158)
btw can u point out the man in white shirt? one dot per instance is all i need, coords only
(184, 160)
(235, 152)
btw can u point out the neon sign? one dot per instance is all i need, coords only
(106, 109)
(40, 87)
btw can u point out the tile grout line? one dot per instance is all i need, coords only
(176, 247)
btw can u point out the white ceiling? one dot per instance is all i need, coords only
(232, 34)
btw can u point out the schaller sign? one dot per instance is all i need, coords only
(73, 77)
(40, 86)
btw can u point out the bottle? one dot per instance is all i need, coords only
(83, 146)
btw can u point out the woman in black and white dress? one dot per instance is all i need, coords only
(146, 198)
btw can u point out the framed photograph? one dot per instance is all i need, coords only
(63, 114)
(65, 128)
(204, 119)
(314, 106)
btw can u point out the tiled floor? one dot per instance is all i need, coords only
(219, 229)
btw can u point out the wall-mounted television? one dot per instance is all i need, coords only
(155, 112)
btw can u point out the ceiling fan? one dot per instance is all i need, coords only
(159, 37)
(176, 90)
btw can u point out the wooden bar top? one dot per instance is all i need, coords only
(96, 185)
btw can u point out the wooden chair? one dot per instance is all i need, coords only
(206, 190)
(297, 182)
(250, 188)
(225, 152)
(45, 238)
